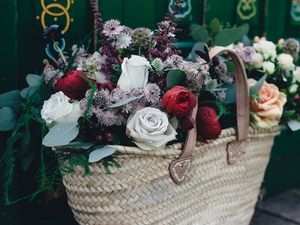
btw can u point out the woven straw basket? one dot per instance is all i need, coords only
(184, 184)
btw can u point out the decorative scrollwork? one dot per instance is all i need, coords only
(185, 10)
(295, 10)
(56, 10)
(246, 9)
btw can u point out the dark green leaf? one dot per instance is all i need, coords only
(175, 77)
(26, 161)
(200, 34)
(25, 143)
(289, 113)
(7, 119)
(231, 35)
(230, 66)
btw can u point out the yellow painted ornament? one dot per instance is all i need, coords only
(246, 9)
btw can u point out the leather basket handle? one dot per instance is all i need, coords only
(180, 167)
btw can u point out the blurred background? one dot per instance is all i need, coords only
(22, 48)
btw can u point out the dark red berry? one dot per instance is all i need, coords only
(99, 138)
(109, 137)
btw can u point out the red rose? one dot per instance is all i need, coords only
(72, 85)
(178, 101)
(208, 124)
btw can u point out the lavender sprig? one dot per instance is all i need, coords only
(107, 47)
(166, 35)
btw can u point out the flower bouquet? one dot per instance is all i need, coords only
(278, 64)
(116, 120)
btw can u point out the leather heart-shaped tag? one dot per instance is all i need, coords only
(179, 169)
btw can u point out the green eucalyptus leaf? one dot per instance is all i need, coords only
(124, 102)
(33, 80)
(101, 153)
(27, 92)
(255, 88)
(11, 99)
(294, 125)
(200, 34)
(174, 122)
(175, 77)
(61, 134)
(230, 35)
(78, 145)
(230, 93)
(7, 119)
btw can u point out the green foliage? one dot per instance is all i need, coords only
(11, 99)
(175, 77)
(289, 113)
(69, 163)
(17, 146)
(78, 145)
(7, 119)
(230, 35)
(33, 80)
(216, 34)
(110, 162)
(199, 33)
(90, 99)
(215, 25)
(222, 109)
(255, 89)
(61, 134)
(230, 90)
(101, 153)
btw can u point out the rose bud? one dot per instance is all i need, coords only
(72, 85)
(187, 123)
(178, 101)
(208, 124)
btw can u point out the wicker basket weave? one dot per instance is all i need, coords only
(219, 188)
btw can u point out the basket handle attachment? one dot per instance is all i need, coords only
(180, 166)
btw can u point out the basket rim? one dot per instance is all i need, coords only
(227, 135)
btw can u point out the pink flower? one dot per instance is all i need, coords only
(112, 28)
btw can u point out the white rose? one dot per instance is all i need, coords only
(150, 129)
(285, 61)
(73, 116)
(268, 67)
(266, 48)
(58, 109)
(297, 74)
(134, 73)
(257, 60)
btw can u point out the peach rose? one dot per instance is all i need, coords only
(267, 110)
